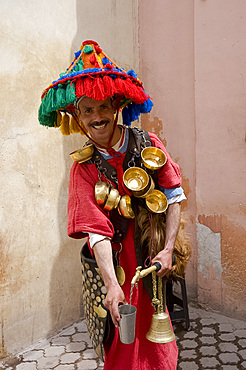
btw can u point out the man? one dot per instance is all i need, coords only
(92, 91)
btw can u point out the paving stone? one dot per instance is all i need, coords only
(26, 366)
(189, 354)
(242, 343)
(243, 354)
(208, 340)
(228, 337)
(244, 365)
(87, 365)
(240, 333)
(54, 351)
(208, 351)
(208, 331)
(69, 358)
(229, 367)
(229, 358)
(89, 353)
(81, 326)
(47, 363)
(43, 345)
(80, 337)
(209, 362)
(75, 347)
(226, 327)
(32, 355)
(68, 331)
(190, 335)
(191, 365)
(189, 343)
(65, 367)
(60, 341)
(208, 321)
(228, 347)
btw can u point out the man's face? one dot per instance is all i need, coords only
(98, 118)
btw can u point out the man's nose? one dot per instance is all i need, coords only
(97, 115)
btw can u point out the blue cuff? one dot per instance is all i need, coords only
(170, 193)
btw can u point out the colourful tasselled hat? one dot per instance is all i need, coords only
(94, 75)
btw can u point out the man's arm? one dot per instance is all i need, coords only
(115, 295)
(172, 227)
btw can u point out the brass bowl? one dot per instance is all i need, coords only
(149, 190)
(101, 192)
(156, 202)
(125, 207)
(83, 155)
(153, 158)
(112, 200)
(136, 179)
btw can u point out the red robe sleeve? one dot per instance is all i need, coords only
(84, 215)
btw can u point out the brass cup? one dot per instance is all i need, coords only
(156, 202)
(112, 200)
(101, 192)
(83, 155)
(125, 207)
(149, 190)
(153, 158)
(136, 179)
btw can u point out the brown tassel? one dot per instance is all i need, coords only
(58, 118)
(65, 125)
(74, 128)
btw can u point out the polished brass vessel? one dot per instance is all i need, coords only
(153, 158)
(156, 201)
(84, 154)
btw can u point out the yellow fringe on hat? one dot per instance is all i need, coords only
(182, 248)
(65, 130)
(74, 128)
(58, 119)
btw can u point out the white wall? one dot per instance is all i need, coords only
(39, 265)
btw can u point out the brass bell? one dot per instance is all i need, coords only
(160, 329)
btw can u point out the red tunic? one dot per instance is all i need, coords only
(84, 216)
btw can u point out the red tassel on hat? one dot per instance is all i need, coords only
(109, 86)
(98, 92)
(79, 88)
(88, 87)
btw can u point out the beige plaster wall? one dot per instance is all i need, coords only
(167, 69)
(193, 61)
(39, 265)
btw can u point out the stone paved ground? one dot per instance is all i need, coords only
(213, 342)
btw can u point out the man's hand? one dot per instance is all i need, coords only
(114, 298)
(115, 295)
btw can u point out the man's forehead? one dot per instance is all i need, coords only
(88, 102)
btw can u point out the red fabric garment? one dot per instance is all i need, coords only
(141, 354)
(84, 216)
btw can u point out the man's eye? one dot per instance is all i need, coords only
(87, 110)
(104, 107)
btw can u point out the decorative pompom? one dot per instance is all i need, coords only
(92, 59)
(88, 49)
(98, 49)
(65, 125)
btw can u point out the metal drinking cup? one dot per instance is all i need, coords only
(156, 202)
(153, 158)
(127, 323)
